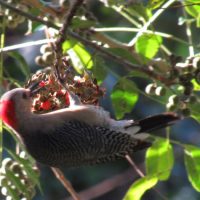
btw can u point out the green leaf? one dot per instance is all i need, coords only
(81, 59)
(17, 182)
(84, 56)
(99, 71)
(193, 7)
(138, 188)
(27, 167)
(68, 44)
(153, 4)
(160, 159)
(196, 85)
(12, 192)
(124, 97)
(125, 54)
(192, 163)
(79, 23)
(148, 45)
(23, 66)
(18, 141)
(139, 74)
(139, 10)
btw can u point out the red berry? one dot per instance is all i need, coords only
(67, 100)
(42, 84)
(46, 105)
(60, 93)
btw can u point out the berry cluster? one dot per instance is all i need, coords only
(53, 96)
(183, 75)
(13, 177)
(12, 19)
(47, 58)
(154, 89)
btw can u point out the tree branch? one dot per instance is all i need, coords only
(141, 174)
(60, 176)
(107, 185)
(128, 65)
(62, 37)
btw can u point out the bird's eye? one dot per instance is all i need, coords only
(24, 95)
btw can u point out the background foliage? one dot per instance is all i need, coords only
(146, 55)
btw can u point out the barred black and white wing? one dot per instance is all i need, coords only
(76, 143)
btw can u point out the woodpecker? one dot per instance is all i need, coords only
(77, 135)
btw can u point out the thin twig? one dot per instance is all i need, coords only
(127, 29)
(62, 36)
(189, 34)
(141, 174)
(107, 185)
(127, 65)
(151, 20)
(60, 176)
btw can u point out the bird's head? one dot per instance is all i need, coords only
(14, 102)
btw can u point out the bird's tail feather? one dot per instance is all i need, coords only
(156, 122)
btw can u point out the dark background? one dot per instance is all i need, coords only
(111, 181)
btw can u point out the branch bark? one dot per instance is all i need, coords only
(127, 65)
(60, 176)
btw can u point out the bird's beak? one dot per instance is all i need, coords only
(34, 88)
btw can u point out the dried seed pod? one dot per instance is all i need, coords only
(196, 62)
(174, 99)
(39, 60)
(48, 58)
(150, 89)
(160, 91)
(171, 106)
(6, 163)
(45, 48)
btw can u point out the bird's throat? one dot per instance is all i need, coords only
(7, 113)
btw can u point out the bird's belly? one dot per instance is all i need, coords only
(58, 153)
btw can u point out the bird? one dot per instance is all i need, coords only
(77, 135)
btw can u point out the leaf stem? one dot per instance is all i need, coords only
(189, 34)
(128, 29)
(126, 16)
(128, 65)
(2, 41)
(151, 20)
(141, 174)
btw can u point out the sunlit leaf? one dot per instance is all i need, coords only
(192, 163)
(139, 187)
(192, 7)
(84, 55)
(148, 45)
(80, 57)
(196, 85)
(124, 97)
(160, 159)
(68, 44)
